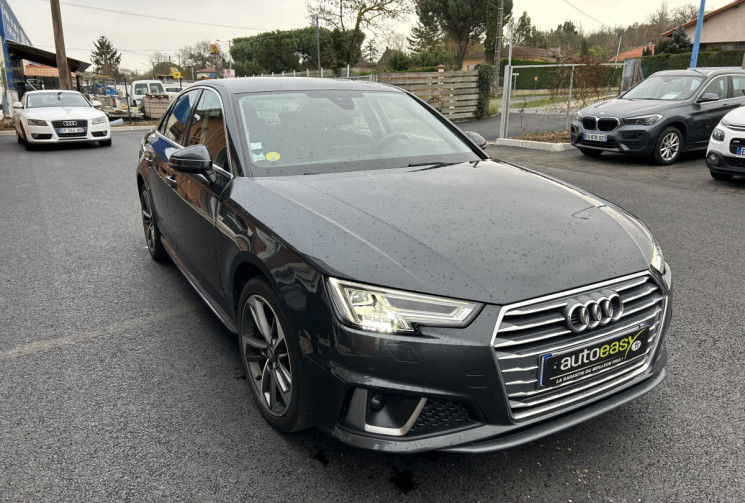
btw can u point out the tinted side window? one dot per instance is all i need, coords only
(208, 129)
(738, 86)
(717, 86)
(176, 124)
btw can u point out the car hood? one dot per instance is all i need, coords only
(620, 107)
(736, 116)
(62, 113)
(485, 231)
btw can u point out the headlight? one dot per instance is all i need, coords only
(658, 261)
(383, 310)
(99, 120)
(579, 117)
(717, 135)
(36, 122)
(644, 120)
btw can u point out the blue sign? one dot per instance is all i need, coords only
(10, 28)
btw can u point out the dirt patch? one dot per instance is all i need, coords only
(550, 137)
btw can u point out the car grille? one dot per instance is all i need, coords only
(606, 124)
(70, 123)
(438, 415)
(734, 143)
(528, 330)
(738, 162)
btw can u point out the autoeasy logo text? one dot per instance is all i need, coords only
(588, 356)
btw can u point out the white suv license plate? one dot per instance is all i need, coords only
(69, 130)
(741, 151)
(596, 137)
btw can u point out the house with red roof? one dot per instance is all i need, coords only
(723, 27)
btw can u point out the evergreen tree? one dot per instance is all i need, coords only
(105, 57)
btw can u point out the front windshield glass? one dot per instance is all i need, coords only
(311, 132)
(45, 100)
(666, 87)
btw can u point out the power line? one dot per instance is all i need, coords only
(160, 18)
(585, 13)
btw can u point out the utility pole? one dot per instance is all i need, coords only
(318, 44)
(59, 46)
(498, 46)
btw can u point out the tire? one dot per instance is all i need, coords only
(18, 138)
(271, 358)
(105, 143)
(25, 141)
(668, 146)
(590, 152)
(152, 233)
(720, 176)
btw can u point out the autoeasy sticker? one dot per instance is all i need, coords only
(272, 156)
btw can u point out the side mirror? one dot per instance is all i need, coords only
(708, 97)
(477, 139)
(96, 104)
(192, 159)
(17, 104)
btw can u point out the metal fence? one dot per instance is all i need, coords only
(545, 98)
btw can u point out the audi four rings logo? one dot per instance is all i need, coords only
(587, 312)
(69, 123)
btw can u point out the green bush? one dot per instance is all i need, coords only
(711, 58)
(484, 83)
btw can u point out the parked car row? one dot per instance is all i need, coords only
(669, 113)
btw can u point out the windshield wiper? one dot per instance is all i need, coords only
(431, 165)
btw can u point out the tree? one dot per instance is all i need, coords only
(678, 43)
(370, 52)
(462, 21)
(349, 18)
(492, 18)
(426, 35)
(105, 57)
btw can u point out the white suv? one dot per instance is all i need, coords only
(725, 155)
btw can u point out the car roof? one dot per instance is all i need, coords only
(52, 91)
(705, 72)
(266, 84)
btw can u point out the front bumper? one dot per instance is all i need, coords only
(443, 390)
(634, 140)
(721, 156)
(48, 134)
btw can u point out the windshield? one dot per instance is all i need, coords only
(45, 100)
(312, 132)
(666, 87)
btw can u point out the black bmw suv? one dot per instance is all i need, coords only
(668, 113)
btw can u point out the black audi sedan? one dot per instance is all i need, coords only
(388, 282)
(668, 113)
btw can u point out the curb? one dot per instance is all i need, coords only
(113, 128)
(535, 145)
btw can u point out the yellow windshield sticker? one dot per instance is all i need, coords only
(272, 156)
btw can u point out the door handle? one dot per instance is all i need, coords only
(171, 180)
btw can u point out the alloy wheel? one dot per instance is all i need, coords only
(147, 220)
(670, 146)
(266, 355)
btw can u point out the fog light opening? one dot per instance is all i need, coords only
(713, 159)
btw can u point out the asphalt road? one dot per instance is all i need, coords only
(118, 384)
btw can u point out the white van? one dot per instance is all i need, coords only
(140, 88)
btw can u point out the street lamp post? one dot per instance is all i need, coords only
(318, 43)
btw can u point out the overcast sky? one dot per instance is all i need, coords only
(137, 36)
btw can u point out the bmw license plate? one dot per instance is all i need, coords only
(581, 363)
(595, 137)
(70, 130)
